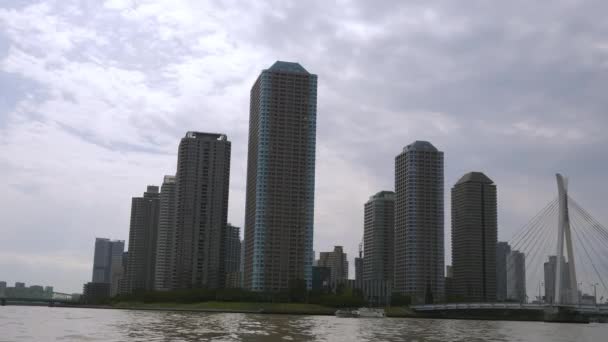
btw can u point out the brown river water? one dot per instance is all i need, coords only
(30, 323)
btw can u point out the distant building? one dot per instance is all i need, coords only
(201, 214)
(549, 275)
(142, 241)
(232, 257)
(502, 251)
(19, 285)
(474, 237)
(279, 211)
(165, 244)
(375, 292)
(419, 223)
(107, 263)
(321, 278)
(516, 277)
(449, 286)
(94, 293)
(359, 268)
(2, 289)
(233, 249)
(242, 265)
(337, 262)
(379, 237)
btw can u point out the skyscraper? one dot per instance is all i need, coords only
(232, 257)
(474, 235)
(142, 240)
(201, 211)
(379, 236)
(516, 276)
(502, 251)
(337, 262)
(165, 245)
(279, 212)
(419, 254)
(107, 263)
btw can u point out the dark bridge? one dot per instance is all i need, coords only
(35, 301)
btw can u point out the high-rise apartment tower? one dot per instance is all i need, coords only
(279, 212)
(143, 230)
(419, 246)
(379, 237)
(165, 246)
(474, 237)
(201, 210)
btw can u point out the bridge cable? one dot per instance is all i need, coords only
(590, 219)
(589, 257)
(525, 231)
(546, 241)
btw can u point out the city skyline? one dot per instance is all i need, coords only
(85, 125)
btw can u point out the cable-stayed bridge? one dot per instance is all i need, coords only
(559, 259)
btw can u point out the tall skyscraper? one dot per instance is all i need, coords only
(201, 212)
(165, 245)
(502, 251)
(419, 253)
(379, 237)
(516, 276)
(107, 263)
(142, 240)
(474, 237)
(337, 262)
(279, 211)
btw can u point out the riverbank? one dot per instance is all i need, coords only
(231, 307)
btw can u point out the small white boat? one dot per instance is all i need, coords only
(347, 313)
(370, 313)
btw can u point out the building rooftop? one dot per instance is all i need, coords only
(420, 145)
(281, 66)
(383, 195)
(477, 177)
(204, 135)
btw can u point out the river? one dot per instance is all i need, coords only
(31, 323)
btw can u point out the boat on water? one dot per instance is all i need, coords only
(361, 312)
(345, 313)
(371, 313)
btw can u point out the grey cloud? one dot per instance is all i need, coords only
(514, 89)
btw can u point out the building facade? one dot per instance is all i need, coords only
(201, 213)
(337, 262)
(502, 251)
(379, 237)
(232, 257)
(549, 275)
(474, 238)
(107, 263)
(516, 277)
(143, 230)
(359, 268)
(321, 279)
(419, 226)
(165, 244)
(279, 211)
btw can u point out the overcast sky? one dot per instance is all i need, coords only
(95, 95)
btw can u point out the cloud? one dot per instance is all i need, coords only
(95, 97)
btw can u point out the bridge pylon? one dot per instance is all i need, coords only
(568, 295)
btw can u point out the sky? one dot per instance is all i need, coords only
(95, 96)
